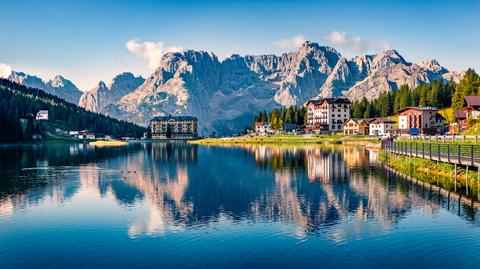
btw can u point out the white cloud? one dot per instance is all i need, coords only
(152, 51)
(294, 42)
(5, 70)
(354, 43)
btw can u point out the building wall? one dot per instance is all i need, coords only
(350, 127)
(262, 129)
(421, 119)
(338, 114)
(328, 117)
(380, 128)
(180, 129)
(402, 122)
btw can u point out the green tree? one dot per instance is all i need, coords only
(469, 85)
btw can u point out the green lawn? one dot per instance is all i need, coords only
(285, 139)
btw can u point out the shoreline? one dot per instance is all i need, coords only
(291, 139)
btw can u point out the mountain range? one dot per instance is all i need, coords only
(225, 94)
(58, 86)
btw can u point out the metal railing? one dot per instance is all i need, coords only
(463, 154)
(443, 138)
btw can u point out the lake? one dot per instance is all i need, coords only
(175, 205)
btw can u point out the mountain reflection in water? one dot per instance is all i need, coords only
(314, 189)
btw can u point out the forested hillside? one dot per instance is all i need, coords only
(278, 116)
(436, 94)
(18, 103)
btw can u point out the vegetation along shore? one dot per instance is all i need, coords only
(290, 139)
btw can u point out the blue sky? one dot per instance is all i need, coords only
(86, 41)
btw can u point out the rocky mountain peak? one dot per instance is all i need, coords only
(433, 65)
(58, 86)
(225, 94)
(102, 95)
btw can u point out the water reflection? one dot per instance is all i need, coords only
(315, 190)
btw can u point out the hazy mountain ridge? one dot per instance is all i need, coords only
(103, 95)
(58, 86)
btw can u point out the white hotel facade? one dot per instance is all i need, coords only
(327, 114)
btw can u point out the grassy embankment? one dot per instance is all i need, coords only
(434, 172)
(289, 139)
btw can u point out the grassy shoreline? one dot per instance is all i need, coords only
(435, 173)
(289, 139)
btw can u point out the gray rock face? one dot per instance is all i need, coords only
(371, 75)
(58, 86)
(224, 95)
(102, 95)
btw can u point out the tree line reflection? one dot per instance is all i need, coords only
(315, 189)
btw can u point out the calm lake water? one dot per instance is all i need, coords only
(187, 206)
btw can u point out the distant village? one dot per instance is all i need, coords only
(332, 116)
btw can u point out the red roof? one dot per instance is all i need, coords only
(472, 100)
(460, 115)
(260, 123)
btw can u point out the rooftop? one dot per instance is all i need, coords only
(330, 100)
(260, 123)
(382, 120)
(419, 108)
(460, 114)
(170, 117)
(472, 100)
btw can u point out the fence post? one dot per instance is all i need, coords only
(423, 150)
(455, 177)
(466, 179)
(416, 149)
(472, 156)
(448, 152)
(459, 161)
(430, 150)
(438, 154)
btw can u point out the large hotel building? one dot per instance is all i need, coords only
(327, 115)
(174, 127)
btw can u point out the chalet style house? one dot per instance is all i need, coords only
(422, 118)
(355, 127)
(327, 115)
(378, 127)
(262, 127)
(174, 127)
(471, 107)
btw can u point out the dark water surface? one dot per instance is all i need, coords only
(187, 206)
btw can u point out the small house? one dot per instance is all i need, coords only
(262, 127)
(355, 127)
(471, 107)
(379, 127)
(42, 115)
